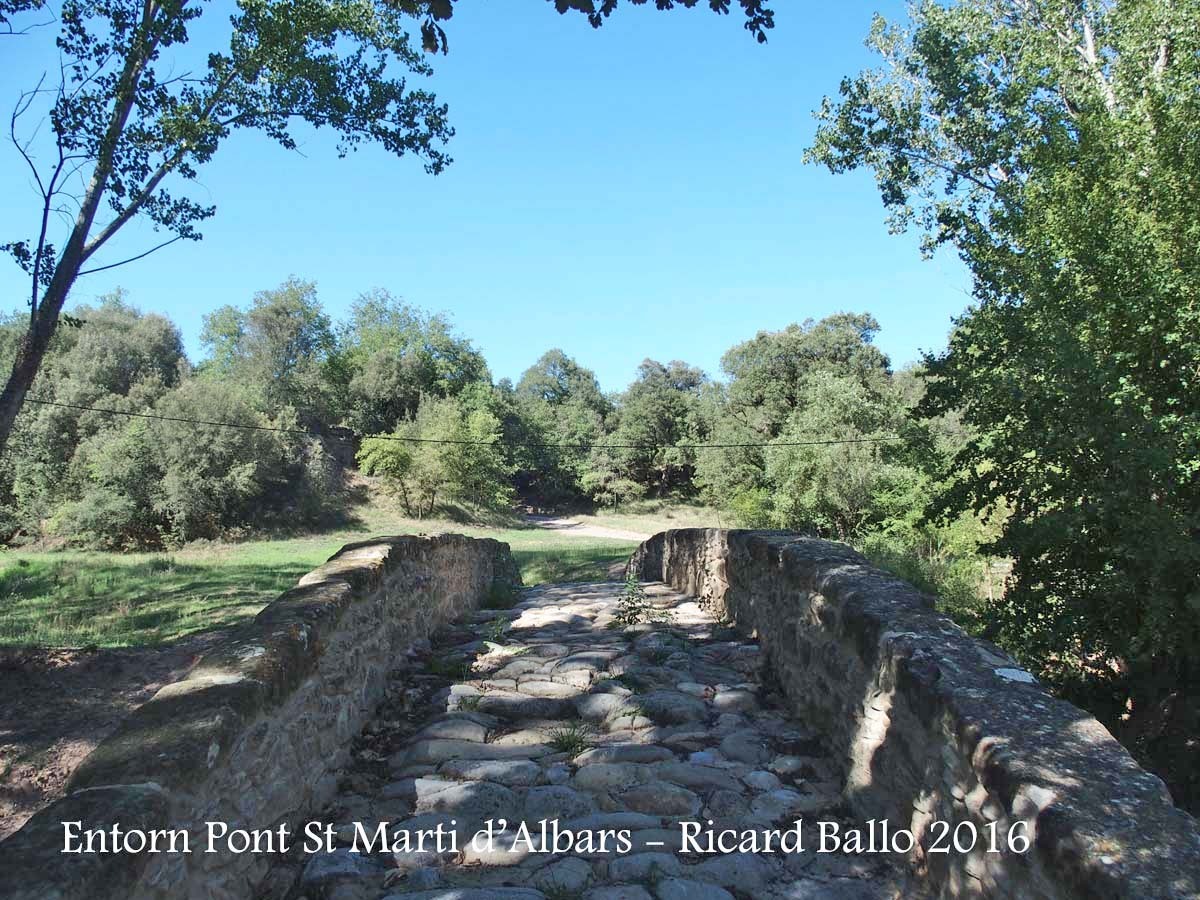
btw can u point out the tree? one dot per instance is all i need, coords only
(449, 450)
(1055, 147)
(767, 373)
(563, 413)
(123, 360)
(732, 476)
(122, 119)
(759, 18)
(213, 478)
(557, 379)
(122, 113)
(477, 466)
(768, 383)
(842, 490)
(657, 414)
(280, 347)
(391, 354)
(80, 469)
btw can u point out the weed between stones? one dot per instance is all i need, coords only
(634, 606)
(572, 739)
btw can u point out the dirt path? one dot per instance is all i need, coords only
(56, 705)
(567, 525)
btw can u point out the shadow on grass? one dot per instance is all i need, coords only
(481, 517)
(587, 563)
(345, 519)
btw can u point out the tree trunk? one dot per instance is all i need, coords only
(44, 320)
(28, 360)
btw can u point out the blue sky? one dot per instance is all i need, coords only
(629, 192)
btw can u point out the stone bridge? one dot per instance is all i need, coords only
(783, 721)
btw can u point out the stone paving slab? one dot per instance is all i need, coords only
(548, 727)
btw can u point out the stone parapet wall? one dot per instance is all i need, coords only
(935, 726)
(254, 734)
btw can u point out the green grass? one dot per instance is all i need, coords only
(582, 559)
(80, 599)
(572, 738)
(76, 598)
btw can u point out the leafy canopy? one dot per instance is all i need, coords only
(1055, 147)
(280, 347)
(448, 451)
(391, 354)
(138, 99)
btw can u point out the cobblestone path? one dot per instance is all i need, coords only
(552, 712)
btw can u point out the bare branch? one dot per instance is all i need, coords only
(22, 106)
(185, 78)
(99, 67)
(957, 173)
(47, 190)
(9, 31)
(1088, 52)
(177, 237)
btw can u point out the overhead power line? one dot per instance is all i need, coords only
(582, 445)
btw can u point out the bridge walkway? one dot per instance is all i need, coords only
(614, 736)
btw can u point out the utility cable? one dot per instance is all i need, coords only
(464, 442)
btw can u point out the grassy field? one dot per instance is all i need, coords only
(76, 599)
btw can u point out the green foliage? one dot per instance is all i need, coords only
(842, 490)
(657, 419)
(759, 18)
(610, 450)
(572, 738)
(412, 470)
(120, 482)
(770, 382)
(1055, 147)
(391, 354)
(634, 606)
(479, 468)
(767, 375)
(449, 451)
(751, 508)
(557, 410)
(496, 629)
(603, 482)
(279, 348)
(556, 379)
(215, 477)
(946, 562)
(119, 359)
(733, 476)
(166, 482)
